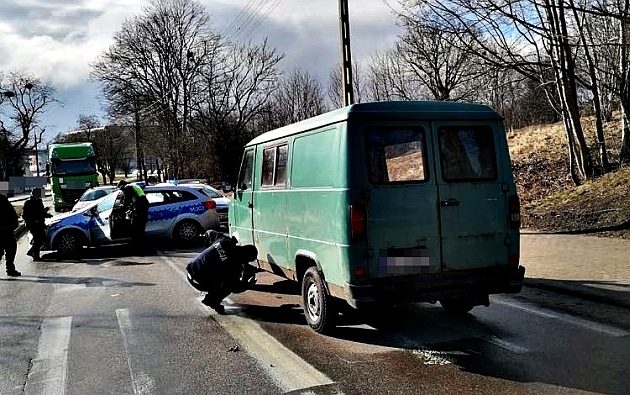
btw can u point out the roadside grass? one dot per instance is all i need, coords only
(549, 199)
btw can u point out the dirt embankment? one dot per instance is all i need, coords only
(550, 201)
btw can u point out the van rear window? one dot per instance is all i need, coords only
(396, 155)
(467, 153)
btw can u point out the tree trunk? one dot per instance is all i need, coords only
(624, 155)
(565, 77)
(597, 104)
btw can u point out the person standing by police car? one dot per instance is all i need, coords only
(221, 269)
(136, 206)
(35, 214)
(8, 245)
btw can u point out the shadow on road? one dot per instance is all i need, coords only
(111, 254)
(609, 292)
(88, 282)
(474, 342)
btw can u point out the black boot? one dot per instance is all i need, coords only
(214, 304)
(13, 273)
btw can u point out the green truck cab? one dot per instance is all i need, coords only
(72, 170)
(378, 204)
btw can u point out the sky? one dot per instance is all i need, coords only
(58, 40)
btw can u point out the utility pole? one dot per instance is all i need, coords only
(346, 58)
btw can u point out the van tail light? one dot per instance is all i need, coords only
(514, 211)
(358, 222)
(210, 204)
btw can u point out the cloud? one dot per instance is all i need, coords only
(58, 40)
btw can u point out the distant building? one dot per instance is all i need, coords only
(32, 157)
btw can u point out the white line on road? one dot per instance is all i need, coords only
(48, 374)
(288, 370)
(515, 348)
(577, 321)
(141, 382)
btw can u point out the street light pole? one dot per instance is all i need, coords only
(346, 57)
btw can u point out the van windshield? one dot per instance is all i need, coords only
(467, 153)
(396, 155)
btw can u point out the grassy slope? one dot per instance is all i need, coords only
(549, 199)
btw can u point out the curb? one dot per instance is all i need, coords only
(579, 291)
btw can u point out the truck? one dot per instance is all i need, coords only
(72, 169)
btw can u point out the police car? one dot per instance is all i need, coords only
(177, 212)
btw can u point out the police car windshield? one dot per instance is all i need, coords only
(211, 193)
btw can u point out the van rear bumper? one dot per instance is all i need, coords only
(433, 287)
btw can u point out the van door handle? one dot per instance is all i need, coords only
(250, 205)
(450, 202)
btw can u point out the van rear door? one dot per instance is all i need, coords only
(402, 219)
(472, 196)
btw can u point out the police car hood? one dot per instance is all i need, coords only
(61, 217)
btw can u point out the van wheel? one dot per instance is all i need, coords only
(457, 306)
(68, 243)
(186, 231)
(320, 309)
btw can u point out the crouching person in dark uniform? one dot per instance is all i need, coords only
(221, 269)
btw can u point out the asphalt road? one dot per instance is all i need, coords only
(113, 322)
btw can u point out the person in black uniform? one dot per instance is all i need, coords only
(137, 208)
(221, 269)
(35, 215)
(8, 245)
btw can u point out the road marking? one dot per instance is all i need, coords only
(577, 321)
(141, 382)
(515, 348)
(288, 370)
(49, 371)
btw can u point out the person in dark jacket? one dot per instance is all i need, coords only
(221, 269)
(35, 215)
(8, 244)
(137, 207)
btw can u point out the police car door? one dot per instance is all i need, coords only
(100, 223)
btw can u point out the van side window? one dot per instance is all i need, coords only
(274, 166)
(269, 161)
(245, 175)
(281, 165)
(396, 155)
(467, 153)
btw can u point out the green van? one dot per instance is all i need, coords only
(385, 203)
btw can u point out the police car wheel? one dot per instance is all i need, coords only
(320, 309)
(68, 242)
(186, 231)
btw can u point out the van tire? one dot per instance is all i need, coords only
(320, 308)
(457, 306)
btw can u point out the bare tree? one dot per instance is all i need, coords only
(335, 94)
(24, 98)
(387, 79)
(154, 65)
(527, 36)
(237, 86)
(449, 71)
(299, 96)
